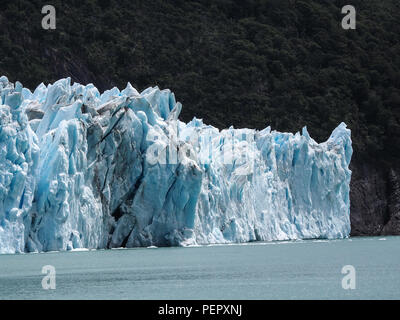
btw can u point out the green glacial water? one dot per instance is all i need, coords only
(276, 270)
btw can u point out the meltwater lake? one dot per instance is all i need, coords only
(276, 270)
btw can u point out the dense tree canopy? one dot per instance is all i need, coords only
(247, 63)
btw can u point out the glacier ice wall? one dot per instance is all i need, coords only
(80, 169)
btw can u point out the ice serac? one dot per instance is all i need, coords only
(80, 169)
(19, 157)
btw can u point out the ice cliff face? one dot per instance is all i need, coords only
(80, 169)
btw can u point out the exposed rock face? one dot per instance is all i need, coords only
(374, 200)
(393, 225)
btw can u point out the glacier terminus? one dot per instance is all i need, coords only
(81, 169)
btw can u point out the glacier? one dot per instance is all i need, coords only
(81, 169)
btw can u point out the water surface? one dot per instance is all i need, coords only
(276, 270)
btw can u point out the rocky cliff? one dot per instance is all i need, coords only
(374, 199)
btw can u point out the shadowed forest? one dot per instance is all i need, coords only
(247, 63)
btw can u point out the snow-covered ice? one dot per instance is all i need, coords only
(80, 169)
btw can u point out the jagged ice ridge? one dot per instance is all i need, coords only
(80, 169)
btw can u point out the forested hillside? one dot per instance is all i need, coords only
(247, 63)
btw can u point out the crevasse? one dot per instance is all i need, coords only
(80, 169)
